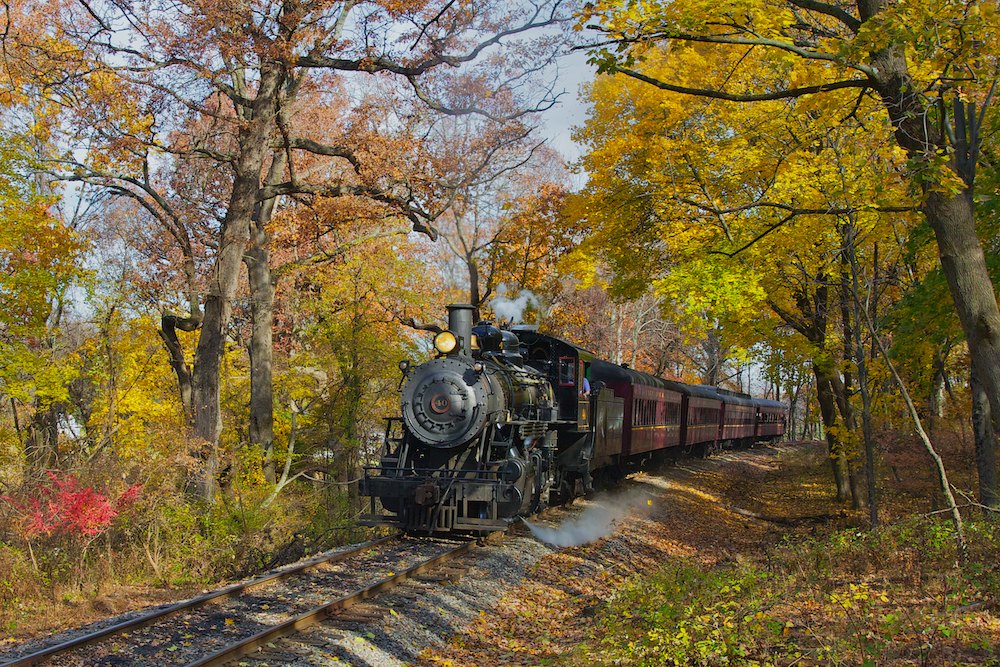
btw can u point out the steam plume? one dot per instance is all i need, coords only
(512, 309)
(595, 522)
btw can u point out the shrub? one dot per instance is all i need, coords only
(688, 616)
(65, 507)
(850, 597)
(20, 583)
(65, 517)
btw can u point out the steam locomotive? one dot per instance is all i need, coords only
(504, 422)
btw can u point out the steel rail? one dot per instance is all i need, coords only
(304, 620)
(194, 603)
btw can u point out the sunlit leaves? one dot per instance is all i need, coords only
(713, 285)
(39, 260)
(943, 39)
(133, 388)
(534, 236)
(734, 210)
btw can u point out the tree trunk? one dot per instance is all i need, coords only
(812, 321)
(206, 387)
(939, 383)
(168, 333)
(355, 393)
(261, 352)
(850, 249)
(986, 453)
(794, 391)
(971, 289)
(951, 217)
(712, 346)
(234, 236)
(850, 423)
(807, 418)
(262, 287)
(472, 266)
(828, 412)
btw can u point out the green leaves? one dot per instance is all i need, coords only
(688, 616)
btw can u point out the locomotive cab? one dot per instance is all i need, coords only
(566, 367)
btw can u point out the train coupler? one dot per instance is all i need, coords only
(427, 494)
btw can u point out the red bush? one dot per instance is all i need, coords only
(65, 507)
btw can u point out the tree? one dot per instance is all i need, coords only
(536, 232)
(629, 331)
(734, 210)
(924, 63)
(40, 259)
(501, 182)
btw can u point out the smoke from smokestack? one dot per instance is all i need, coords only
(512, 309)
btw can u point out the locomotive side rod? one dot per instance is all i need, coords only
(194, 603)
(314, 616)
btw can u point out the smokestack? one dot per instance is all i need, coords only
(460, 323)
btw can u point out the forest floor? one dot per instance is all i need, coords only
(747, 559)
(699, 509)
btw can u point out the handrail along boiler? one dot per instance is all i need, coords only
(501, 423)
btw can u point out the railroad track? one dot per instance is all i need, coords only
(238, 620)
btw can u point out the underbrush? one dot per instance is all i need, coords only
(165, 541)
(845, 598)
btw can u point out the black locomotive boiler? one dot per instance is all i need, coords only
(504, 422)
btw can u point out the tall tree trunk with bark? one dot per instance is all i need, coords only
(828, 412)
(169, 323)
(950, 216)
(939, 387)
(844, 389)
(811, 321)
(261, 427)
(234, 236)
(986, 445)
(964, 266)
(262, 288)
(850, 250)
(475, 296)
(354, 385)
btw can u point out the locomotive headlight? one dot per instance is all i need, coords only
(404, 366)
(478, 367)
(445, 342)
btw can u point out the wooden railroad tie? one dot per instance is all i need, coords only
(359, 614)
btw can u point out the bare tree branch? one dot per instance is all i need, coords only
(830, 10)
(787, 93)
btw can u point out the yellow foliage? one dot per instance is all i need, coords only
(728, 208)
(137, 391)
